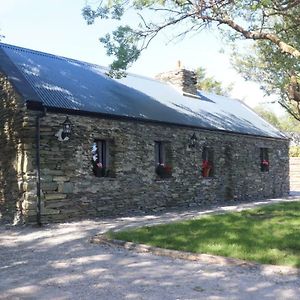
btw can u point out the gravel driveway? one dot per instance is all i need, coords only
(58, 262)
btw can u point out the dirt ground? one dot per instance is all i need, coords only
(59, 262)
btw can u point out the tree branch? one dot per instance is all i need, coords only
(255, 35)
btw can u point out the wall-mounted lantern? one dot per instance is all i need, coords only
(193, 141)
(66, 127)
(63, 134)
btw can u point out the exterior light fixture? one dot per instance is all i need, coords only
(63, 133)
(193, 141)
(66, 127)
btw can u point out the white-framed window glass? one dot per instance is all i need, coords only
(100, 158)
(162, 152)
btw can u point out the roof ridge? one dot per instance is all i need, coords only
(33, 51)
(54, 56)
(47, 54)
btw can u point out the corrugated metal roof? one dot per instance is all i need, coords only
(59, 82)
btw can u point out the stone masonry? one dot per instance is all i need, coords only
(71, 191)
(183, 79)
(16, 165)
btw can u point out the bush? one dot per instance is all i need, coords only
(294, 151)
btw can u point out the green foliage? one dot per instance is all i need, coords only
(268, 115)
(267, 64)
(123, 45)
(285, 123)
(110, 10)
(272, 69)
(294, 151)
(209, 84)
(289, 124)
(274, 26)
(268, 235)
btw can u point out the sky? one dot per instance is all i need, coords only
(57, 27)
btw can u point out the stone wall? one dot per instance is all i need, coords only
(13, 161)
(71, 191)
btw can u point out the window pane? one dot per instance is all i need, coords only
(159, 153)
(102, 150)
(99, 158)
(205, 153)
(264, 159)
(156, 150)
(163, 167)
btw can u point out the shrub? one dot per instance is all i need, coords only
(294, 151)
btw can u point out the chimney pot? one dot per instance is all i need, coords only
(179, 64)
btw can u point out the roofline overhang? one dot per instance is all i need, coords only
(39, 106)
(35, 105)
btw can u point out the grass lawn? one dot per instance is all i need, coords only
(269, 234)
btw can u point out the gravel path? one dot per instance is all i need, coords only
(58, 262)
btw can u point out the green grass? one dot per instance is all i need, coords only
(269, 234)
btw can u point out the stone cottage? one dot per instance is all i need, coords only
(76, 143)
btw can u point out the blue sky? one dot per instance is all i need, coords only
(57, 26)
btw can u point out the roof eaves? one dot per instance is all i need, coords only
(34, 106)
(250, 108)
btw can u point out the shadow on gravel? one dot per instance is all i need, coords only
(59, 262)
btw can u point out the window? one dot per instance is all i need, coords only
(163, 166)
(100, 158)
(264, 159)
(207, 162)
(159, 153)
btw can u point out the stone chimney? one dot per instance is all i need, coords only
(183, 79)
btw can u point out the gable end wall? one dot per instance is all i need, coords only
(14, 147)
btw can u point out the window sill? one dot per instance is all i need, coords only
(207, 178)
(104, 177)
(158, 179)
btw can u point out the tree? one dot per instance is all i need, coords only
(289, 124)
(268, 115)
(276, 71)
(211, 85)
(273, 24)
(285, 123)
